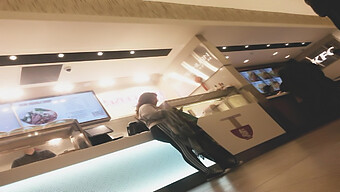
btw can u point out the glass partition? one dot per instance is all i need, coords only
(25, 145)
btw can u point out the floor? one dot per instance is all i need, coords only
(309, 163)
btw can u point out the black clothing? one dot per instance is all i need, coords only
(212, 150)
(320, 95)
(36, 156)
(329, 8)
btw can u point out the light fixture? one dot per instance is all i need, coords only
(55, 141)
(141, 78)
(61, 55)
(182, 78)
(106, 82)
(246, 61)
(287, 56)
(287, 44)
(63, 87)
(227, 57)
(13, 57)
(194, 71)
(100, 53)
(268, 45)
(132, 52)
(275, 53)
(224, 47)
(246, 46)
(303, 43)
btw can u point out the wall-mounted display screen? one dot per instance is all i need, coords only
(84, 107)
(8, 120)
(264, 80)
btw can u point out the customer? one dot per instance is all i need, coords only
(157, 121)
(317, 94)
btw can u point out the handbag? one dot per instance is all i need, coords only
(136, 127)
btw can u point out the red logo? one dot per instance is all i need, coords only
(243, 132)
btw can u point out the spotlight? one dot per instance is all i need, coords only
(13, 57)
(61, 55)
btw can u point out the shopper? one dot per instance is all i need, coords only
(317, 94)
(186, 140)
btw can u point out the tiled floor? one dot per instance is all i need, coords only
(310, 163)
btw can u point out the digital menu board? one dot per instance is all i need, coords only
(264, 80)
(84, 107)
(8, 120)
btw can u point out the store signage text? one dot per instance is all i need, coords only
(323, 56)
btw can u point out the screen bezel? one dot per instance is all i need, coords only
(86, 123)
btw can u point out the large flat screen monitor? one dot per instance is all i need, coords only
(8, 120)
(264, 80)
(85, 107)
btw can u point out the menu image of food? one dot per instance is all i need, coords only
(39, 116)
(81, 106)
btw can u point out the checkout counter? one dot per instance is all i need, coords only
(235, 122)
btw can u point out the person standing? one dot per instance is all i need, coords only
(183, 140)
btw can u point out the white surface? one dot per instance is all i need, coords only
(263, 126)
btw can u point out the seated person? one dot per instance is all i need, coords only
(32, 155)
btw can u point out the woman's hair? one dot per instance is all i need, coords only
(145, 98)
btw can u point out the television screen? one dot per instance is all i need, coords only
(84, 107)
(264, 80)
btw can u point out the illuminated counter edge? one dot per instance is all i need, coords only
(71, 158)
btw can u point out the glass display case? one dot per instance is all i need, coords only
(57, 137)
(209, 103)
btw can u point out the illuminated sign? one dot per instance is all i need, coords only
(322, 56)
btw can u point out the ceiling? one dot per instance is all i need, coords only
(21, 36)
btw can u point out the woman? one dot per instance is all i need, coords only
(155, 120)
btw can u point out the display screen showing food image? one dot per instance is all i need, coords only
(263, 77)
(39, 116)
(83, 106)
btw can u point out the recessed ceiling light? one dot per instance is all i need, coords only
(287, 56)
(63, 87)
(224, 47)
(132, 52)
(61, 55)
(106, 82)
(246, 46)
(268, 45)
(227, 57)
(287, 44)
(100, 53)
(141, 78)
(13, 57)
(275, 53)
(246, 61)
